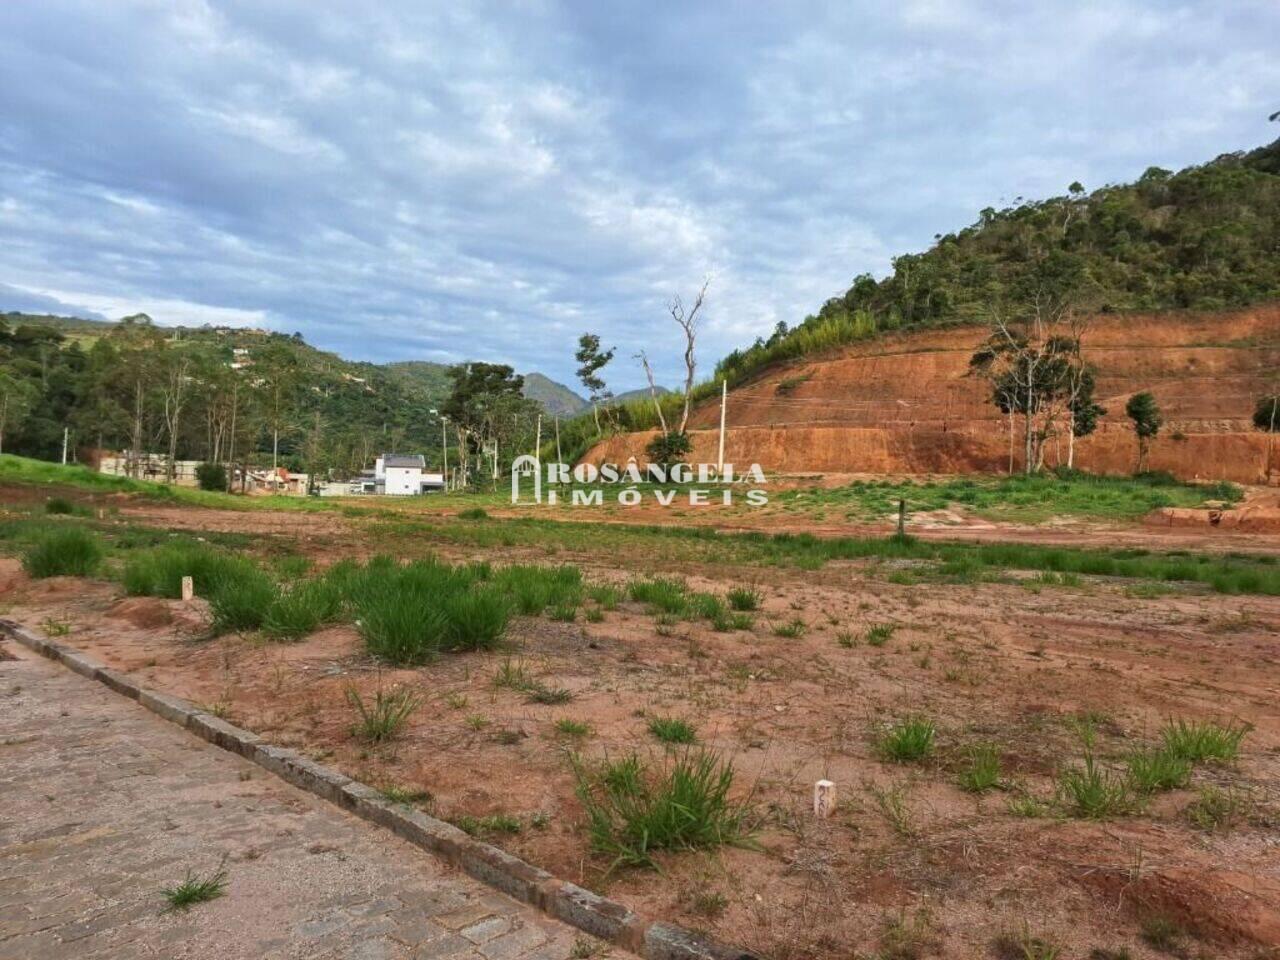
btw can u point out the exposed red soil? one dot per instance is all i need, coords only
(1004, 663)
(906, 403)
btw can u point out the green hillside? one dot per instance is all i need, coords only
(555, 398)
(1204, 238)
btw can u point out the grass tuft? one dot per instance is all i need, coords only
(196, 889)
(982, 769)
(63, 552)
(384, 718)
(909, 741)
(1153, 771)
(634, 811)
(1201, 741)
(673, 730)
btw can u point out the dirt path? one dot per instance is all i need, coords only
(106, 805)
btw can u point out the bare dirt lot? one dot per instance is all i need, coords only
(912, 864)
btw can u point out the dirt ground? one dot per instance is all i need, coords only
(909, 862)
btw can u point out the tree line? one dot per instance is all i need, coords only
(229, 397)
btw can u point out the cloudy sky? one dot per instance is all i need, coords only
(413, 180)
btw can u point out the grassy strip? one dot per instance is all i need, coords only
(1227, 573)
(1028, 499)
(23, 470)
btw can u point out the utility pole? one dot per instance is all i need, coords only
(444, 441)
(724, 400)
(560, 459)
(66, 432)
(537, 441)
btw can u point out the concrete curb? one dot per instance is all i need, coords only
(605, 919)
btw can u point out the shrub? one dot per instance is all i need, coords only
(907, 741)
(211, 476)
(384, 718)
(1198, 741)
(633, 811)
(668, 449)
(982, 769)
(473, 513)
(63, 552)
(743, 598)
(673, 730)
(59, 505)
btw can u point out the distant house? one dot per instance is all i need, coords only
(399, 475)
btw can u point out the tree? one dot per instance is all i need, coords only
(140, 349)
(688, 322)
(175, 389)
(1034, 357)
(487, 408)
(592, 360)
(16, 398)
(279, 379)
(1085, 413)
(1145, 414)
(1266, 417)
(653, 391)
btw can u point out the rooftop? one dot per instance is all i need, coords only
(403, 460)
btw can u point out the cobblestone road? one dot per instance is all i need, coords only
(102, 805)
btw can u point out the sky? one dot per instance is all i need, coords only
(450, 181)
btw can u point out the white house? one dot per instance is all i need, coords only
(401, 475)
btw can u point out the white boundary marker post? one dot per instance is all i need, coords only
(188, 588)
(824, 799)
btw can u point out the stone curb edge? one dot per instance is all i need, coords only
(605, 919)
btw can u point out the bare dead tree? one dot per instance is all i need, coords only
(653, 390)
(688, 321)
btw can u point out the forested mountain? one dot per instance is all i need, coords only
(555, 398)
(1206, 237)
(206, 393)
(220, 393)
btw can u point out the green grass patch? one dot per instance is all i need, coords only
(673, 730)
(981, 770)
(1201, 741)
(196, 889)
(634, 810)
(1016, 498)
(660, 594)
(1153, 771)
(63, 551)
(908, 741)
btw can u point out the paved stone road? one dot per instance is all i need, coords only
(103, 804)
